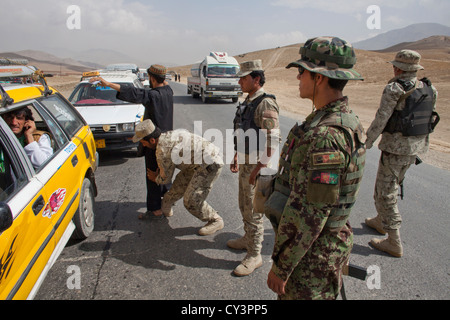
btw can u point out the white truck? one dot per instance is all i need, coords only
(215, 78)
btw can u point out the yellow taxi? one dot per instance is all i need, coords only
(44, 200)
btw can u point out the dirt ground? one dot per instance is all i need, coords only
(364, 96)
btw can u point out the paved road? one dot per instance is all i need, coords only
(126, 258)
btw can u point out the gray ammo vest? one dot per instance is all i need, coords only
(245, 119)
(417, 117)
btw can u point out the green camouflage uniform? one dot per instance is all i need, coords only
(398, 152)
(313, 237)
(200, 164)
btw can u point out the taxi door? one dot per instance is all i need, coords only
(27, 244)
(64, 175)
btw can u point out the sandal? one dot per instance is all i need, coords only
(149, 215)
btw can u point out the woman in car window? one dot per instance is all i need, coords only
(37, 144)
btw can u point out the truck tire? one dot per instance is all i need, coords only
(204, 98)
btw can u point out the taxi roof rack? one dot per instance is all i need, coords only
(17, 68)
(104, 72)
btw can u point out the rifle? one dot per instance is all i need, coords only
(353, 271)
(401, 194)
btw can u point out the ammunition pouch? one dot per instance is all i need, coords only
(274, 206)
(263, 190)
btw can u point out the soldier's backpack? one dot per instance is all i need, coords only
(417, 117)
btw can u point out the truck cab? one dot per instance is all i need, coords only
(215, 78)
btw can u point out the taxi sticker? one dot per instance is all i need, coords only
(326, 158)
(55, 202)
(69, 149)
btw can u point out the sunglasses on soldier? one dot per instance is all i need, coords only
(301, 70)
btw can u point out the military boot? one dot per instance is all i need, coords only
(376, 223)
(213, 225)
(392, 244)
(248, 265)
(238, 244)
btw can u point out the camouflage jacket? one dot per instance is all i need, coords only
(391, 100)
(324, 152)
(181, 149)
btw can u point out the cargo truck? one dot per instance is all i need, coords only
(215, 78)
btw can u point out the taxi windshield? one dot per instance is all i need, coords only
(87, 94)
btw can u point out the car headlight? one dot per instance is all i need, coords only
(128, 127)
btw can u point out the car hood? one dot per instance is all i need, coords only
(111, 114)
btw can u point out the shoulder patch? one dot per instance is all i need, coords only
(325, 178)
(326, 158)
(268, 124)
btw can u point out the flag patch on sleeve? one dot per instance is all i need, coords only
(326, 158)
(325, 178)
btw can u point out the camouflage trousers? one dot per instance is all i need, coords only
(253, 221)
(391, 173)
(318, 275)
(194, 185)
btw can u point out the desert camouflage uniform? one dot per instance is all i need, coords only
(266, 117)
(398, 152)
(313, 237)
(200, 164)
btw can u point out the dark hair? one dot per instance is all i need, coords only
(23, 111)
(260, 74)
(158, 78)
(335, 84)
(155, 134)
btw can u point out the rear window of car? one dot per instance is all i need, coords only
(86, 94)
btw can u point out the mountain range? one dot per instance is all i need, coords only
(430, 35)
(410, 33)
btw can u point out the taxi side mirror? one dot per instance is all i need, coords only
(6, 218)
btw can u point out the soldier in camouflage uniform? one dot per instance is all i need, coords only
(257, 117)
(398, 151)
(199, 162)
(320, 170)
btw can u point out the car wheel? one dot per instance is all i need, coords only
(84, 217)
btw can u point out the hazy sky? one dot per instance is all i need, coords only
(183, 31)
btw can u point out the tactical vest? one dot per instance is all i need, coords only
(417, 117)
(349, 181)
(245, 120)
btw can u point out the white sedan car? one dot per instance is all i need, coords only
(112, 121)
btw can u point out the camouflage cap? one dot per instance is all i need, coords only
(329, 56)
(143, 129)
(157, 70)
(407, 60)
(250, 66)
